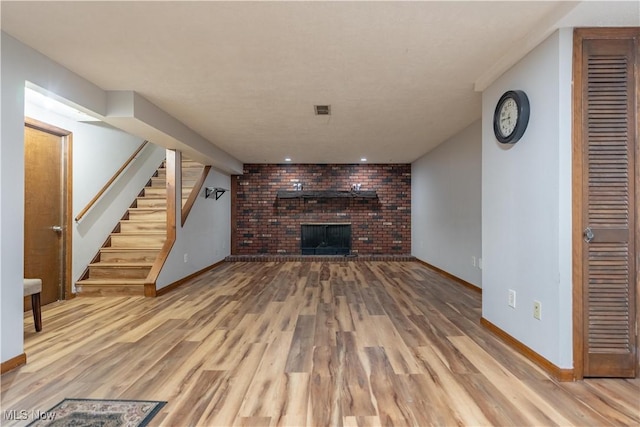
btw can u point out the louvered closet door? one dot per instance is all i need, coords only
(609, 132)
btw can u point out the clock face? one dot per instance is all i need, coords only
(511, 116)
(508, 117)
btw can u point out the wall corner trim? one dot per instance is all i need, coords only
(560, 374)
(451, 276)
(13, 363)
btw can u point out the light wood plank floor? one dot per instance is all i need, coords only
(303, 343)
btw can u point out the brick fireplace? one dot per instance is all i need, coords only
(266, 222)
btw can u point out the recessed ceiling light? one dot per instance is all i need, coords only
(364, 159)
(287, 159)
(322, 110)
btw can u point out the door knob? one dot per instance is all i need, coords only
(588, 235)
(57, 228)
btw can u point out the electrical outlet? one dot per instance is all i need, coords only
(186, 257)
(473, 260)
(537, 310)
(512, 298)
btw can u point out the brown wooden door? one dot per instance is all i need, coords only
(44, 212)
(609, 179)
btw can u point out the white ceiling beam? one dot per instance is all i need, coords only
(131, 112)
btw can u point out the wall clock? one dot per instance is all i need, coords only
(511, 117)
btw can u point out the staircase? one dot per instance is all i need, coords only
(123, 263)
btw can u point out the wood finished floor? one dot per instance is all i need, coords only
(303, 343)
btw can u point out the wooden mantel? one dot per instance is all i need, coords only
(326, 194)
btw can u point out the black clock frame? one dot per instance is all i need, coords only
(522, 102)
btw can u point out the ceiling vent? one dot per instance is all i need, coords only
(322, 110)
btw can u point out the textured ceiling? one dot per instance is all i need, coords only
(399, 76)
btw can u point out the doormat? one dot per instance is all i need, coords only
(99, 412)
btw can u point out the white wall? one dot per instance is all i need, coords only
(526, 205)
(99, 150)
(446, 205)
(12, 203)
(206, 234)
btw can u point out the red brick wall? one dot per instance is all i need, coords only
(267, 225)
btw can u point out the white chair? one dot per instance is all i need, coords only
(33, 287)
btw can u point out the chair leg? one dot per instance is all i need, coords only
(37, 311)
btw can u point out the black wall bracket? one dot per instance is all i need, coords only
(214, 192)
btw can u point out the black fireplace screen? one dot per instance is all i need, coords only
(325, 239)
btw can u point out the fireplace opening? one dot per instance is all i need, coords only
(325, 239)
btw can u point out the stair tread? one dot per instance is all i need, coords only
(128, 248)
(143, 232)
(159, 208)
(154, 197)
(184, 179)
(107, 282)
(120, 264)
(144, 220)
